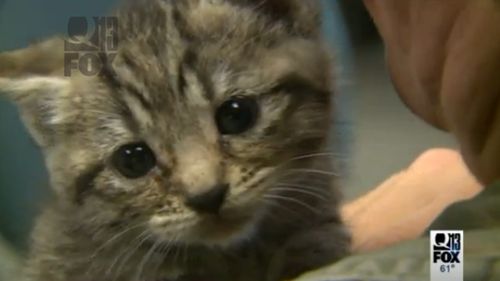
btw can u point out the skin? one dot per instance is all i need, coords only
(397, 198)
(444, 57)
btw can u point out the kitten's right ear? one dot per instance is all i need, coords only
(43, 58)
(33, 79)
(42, 102)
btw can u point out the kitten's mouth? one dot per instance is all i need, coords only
(214, 230)
(235, 222)
(232, 223)
(224, 227)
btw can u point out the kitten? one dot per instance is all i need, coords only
(198, 153)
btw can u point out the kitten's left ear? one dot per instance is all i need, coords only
(30, 78)
(301, 16)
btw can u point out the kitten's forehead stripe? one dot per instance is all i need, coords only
(130, 109)
(206, 82)
(110, 79)
(119, 87)
(140, 76)
(190, 62)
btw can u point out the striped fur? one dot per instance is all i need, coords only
(177, 61)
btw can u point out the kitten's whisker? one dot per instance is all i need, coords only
(170, 245)
(314, 171)
(314, 155)
(291, 200)
(143, 237)
(185, 255)
(126, 249)
(301, 191)
(146, 259)
(159, 264)
(319, 182)
(164, 251)
(274, 203)
(320, 188)
(177, 249)
(108, 243)
(114, 238)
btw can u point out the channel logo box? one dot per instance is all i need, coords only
(447, 255)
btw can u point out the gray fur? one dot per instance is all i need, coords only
(177, 62)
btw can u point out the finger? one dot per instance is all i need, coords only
(406, 204)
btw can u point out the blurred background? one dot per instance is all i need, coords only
(377, 135)
(386, 136)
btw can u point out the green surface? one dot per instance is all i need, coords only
(482, 212)
(410, 262)
(480, 218)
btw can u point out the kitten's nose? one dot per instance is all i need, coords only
(210, 201)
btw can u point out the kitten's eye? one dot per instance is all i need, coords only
(134, 160)
(236, 115)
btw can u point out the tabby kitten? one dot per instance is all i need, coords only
(198, 153)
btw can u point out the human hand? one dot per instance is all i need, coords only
(444, 58)
(405, 205)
